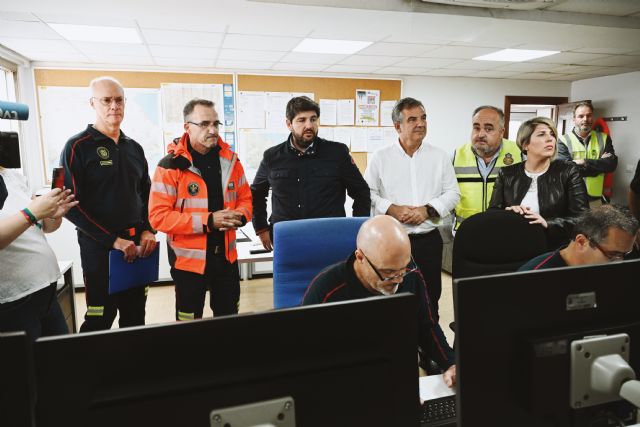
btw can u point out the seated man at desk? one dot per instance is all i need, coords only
(382, 265)
(602, 234)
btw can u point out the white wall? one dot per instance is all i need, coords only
(617, 96)
(451, 100)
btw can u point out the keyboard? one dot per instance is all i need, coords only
(440, 412)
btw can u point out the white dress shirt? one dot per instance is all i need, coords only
(425, 178)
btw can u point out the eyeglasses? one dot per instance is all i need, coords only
(207, 124)
(406, 271)
(610, 255)
(107, 100)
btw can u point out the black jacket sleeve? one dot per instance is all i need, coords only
(563, 152)
(575, 193)
(608, 161)
(145, 189)
(259, 193)
(497, 196)
(71, 160)
(357, 187)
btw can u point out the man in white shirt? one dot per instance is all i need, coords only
(415, 183)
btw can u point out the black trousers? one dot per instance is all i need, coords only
(38, 314)
(220, 277)
(426, 250)
(102, 307)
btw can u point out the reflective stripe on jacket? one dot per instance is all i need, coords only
(592, 151)
(475, 193)
(178, 203)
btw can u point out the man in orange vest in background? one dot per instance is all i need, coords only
(199, 196)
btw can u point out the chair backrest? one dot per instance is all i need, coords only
(495, 241)
(302, 248)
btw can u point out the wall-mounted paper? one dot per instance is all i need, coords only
(276, 110)
(375, 139)
(251, 110)
(367, 107)
(345, 112)
(343, 135)
(359, 140)
(328, 112)
(386, 107)
(326, 133)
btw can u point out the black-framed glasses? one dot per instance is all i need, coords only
(409, 269)
(207, 124)
(107, 100)
(610, 255)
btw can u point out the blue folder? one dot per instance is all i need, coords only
(124, 275)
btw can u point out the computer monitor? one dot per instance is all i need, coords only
(16, 392)
(343, 364)
(514, 334)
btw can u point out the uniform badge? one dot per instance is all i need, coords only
(103, 153)
(508, 159)
(193, 188)
(231, 186)
(594, 154)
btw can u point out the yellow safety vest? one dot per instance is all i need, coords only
(592, 151)
(475, 192)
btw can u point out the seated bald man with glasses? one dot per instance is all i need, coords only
(602, 234)
(382, 265)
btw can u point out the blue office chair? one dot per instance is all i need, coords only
(302, 248)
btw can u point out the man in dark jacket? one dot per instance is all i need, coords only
(307, 175)
(382, 265)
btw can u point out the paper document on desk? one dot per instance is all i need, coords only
(432, 387)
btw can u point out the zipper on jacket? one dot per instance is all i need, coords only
(182, 205)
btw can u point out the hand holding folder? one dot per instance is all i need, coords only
(125, 275)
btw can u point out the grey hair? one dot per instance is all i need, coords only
(191, 105)
(404, 103)
(582, 104)
(595, 223)
(97, 80)
(491, 107)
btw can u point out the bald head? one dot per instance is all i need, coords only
(103, 81)
(382, 238)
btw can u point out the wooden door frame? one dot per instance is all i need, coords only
(535, 100)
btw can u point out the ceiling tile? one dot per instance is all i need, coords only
(292, 66)
(100, 19)
(245, 65)
(27, 30)
(426, 62)
(412, 71)
(459, 52)
(535, 76)
(36, 45)
(313, 58)
(250, 55)
(568, 58)
(398, 49)
(380, 61)
(443, 72)
(567, 77)
(18, 16)
(473, 65)
(119, 49)
(615, 8)
(58, 57)
(494, 74)
(526, 67)
(575, 69)
(178, 63)
(182, 38)
(183, 52)
(170, 21)
(616, 61)
(610, 50)
(273, 43)
(359, 69)
(122, 60)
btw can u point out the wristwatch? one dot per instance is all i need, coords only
(432, 212)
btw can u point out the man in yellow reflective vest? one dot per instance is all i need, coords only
(589, 149)
(478, 162)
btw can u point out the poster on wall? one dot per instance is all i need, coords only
(367, 107)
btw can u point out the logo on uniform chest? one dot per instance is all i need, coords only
(193, 188)
(103, 153)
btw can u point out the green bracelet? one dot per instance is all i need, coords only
(32, 217)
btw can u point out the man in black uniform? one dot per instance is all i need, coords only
(108, 173)
(382, 265)
(307, 175)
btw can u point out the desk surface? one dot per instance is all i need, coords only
(251, 241)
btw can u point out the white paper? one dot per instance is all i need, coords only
(433, 387)
(359, 140)
(345, 112)
(276, 106)
(328, 112)
(390, 136)
(343, 135)
(375, 139)
(386, 107)
(251, 110)
(367, 107)
(326, 133)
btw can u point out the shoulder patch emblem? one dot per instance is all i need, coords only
(193, 188)
(231, 186)
(508, 159)
(103, 152)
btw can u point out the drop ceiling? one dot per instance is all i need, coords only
(418, 38)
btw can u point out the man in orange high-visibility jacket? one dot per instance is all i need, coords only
(199, 196)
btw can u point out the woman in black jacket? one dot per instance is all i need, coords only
(546, 191)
